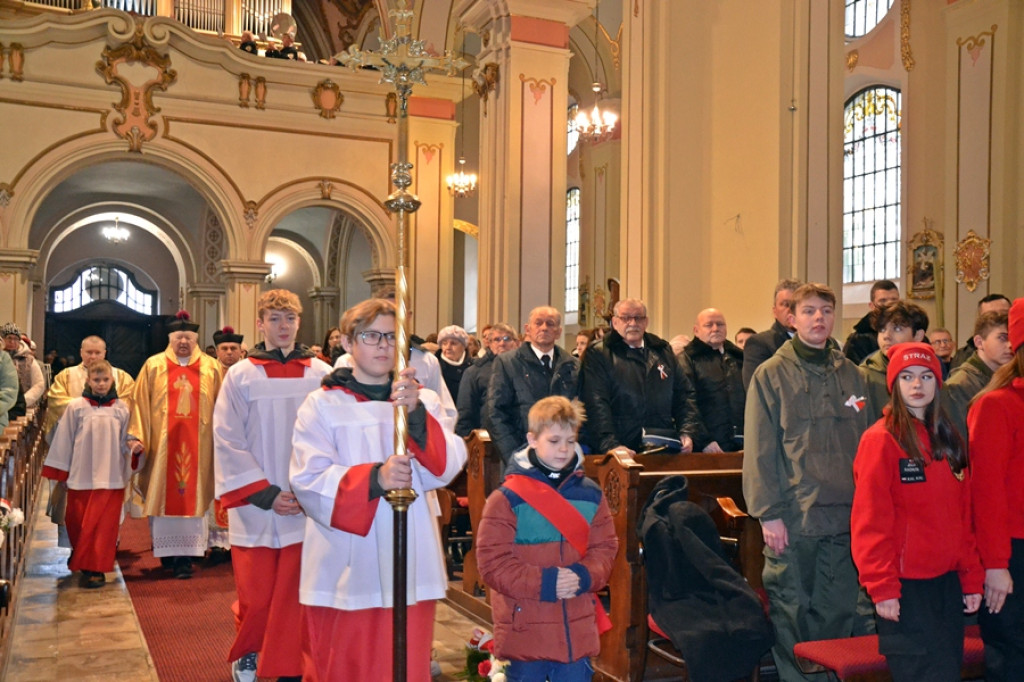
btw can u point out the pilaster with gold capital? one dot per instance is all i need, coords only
(205, 303)
(16, 267)
(521, 78)
(244, 281)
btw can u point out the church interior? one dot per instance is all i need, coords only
(149, 165)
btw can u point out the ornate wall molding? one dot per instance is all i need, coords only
(538, 87)
(244, 90)
(852, 57)
(972, 260)
(136, 107)
(428, 149)
(327, 98)
(905, 53)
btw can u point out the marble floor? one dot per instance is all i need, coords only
(64, 632)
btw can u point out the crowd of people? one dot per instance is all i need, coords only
(885, 473)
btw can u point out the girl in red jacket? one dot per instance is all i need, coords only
(913, 541)
(995, 423)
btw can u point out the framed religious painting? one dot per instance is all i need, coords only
(924, 264)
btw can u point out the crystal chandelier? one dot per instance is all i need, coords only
(598, 125)
(115, 234)
(460, 183)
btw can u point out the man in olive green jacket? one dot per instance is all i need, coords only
(805, 414)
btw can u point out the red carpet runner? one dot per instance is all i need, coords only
(188, 624)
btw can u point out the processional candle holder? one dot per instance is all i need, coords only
(402, 62)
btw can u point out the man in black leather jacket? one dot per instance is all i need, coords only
(631, 383)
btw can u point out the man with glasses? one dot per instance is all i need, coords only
(473, 389)
(942, 342)
(634, 389)
(537, 369)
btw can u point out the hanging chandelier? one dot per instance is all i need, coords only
(460, 183)
(115, 233)
(598, 125)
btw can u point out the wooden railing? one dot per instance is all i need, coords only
(22, 451)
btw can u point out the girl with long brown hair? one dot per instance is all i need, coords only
(912, 537)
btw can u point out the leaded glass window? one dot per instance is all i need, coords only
(864, 15)
(101, 283)
(572, 251)
(871, 185)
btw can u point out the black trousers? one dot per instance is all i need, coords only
(1003, 632)
(927, 642)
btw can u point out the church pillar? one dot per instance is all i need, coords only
(16, 266)
(244, 281)
(204, 304)
(325, 311)
(522, 77)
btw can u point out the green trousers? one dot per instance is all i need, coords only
(812, 592)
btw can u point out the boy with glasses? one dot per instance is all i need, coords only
(342, 465)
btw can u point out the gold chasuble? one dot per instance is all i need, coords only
(172, 415)
(69, 384)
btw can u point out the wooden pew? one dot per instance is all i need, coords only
(715, 483)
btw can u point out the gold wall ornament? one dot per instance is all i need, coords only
(537, 86)
(486, 81)
(327, 98)
(391, 107)
(136, 107)
(852, 57)
(905, 53)
(15, 60)
(261, 93)
(251, 213)
(326, 189)
(244, 90)
(614, 45)
(972, 260)
(924, 263)
(974, 44)
(428, 149)
(873, 104)
(6, 192)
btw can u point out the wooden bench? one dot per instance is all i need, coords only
(856, 659)
(715, 482)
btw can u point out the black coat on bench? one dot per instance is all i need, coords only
(695, 595)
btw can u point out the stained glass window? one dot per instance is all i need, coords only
(871, 185)
(572, 251)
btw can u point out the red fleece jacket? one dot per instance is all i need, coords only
(909, 530)
(996, 427)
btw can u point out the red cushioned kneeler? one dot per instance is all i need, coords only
(856, 659)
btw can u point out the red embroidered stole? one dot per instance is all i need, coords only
(182, 439)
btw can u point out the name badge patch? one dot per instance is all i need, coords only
(911, 471)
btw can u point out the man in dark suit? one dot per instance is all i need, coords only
(763, 345)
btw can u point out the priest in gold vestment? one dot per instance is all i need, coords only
(69, 383)
(172, 415)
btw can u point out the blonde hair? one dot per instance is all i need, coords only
(278, 299)
(553, 410)
(361, 315)
(100, 366)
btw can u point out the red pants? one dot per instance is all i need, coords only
(93, 518)
(356, 645)
(267, 614)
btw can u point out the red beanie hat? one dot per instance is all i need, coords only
(1017, 324)
(904, 355)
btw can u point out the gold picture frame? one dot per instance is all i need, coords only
(972, 260)
(924, 264)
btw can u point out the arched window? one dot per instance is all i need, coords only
(572, 252)
(871, 185)
(101, 283)
(864, 15)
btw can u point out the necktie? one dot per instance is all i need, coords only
(546, 361)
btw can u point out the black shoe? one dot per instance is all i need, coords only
(294, 678)
(183, 567)
(92, 579)
(217, 556)
(167, 562)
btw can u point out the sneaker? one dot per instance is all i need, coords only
(244, 669)
(92, 579)
(183, 568)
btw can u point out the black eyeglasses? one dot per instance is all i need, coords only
(372, 338)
